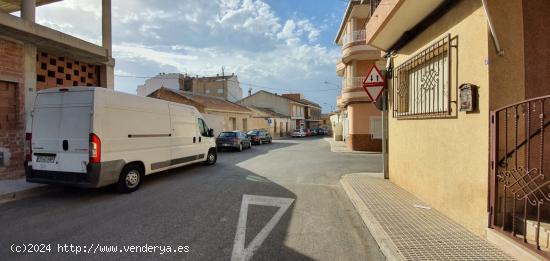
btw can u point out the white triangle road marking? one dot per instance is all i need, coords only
(242, 253)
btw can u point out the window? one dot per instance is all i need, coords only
(220, 91)
(375, 127)
(233, 122)
(421, 85)
(245, 124)
(203, 129)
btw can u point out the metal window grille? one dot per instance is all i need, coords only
(421, 85)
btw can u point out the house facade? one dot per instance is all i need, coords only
(312, 110)
(267, 119)
(293, 109)
(34, 57)
(226, 87)
(468, 114)
(356, 60)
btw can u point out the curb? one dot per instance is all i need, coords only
(25, 193)
(386, 245)
(332, 149)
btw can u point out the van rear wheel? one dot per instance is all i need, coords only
(130, 179)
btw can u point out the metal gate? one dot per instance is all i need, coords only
(519, 184)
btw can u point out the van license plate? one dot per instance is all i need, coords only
(45, 159)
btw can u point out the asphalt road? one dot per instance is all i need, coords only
(295, 209)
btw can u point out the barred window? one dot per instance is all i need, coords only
(421, 85)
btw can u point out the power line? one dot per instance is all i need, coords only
(243, 83)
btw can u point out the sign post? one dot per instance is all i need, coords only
(375, 87)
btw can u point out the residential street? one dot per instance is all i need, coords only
(199, 207)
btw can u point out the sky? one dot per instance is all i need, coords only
(279, 46)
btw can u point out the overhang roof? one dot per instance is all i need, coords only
(393, 18)
(214, 103)
(10, 6)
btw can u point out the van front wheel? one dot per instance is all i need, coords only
(130, 179)
(211, 157)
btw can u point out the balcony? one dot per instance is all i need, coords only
(355, 36)
(354, 47)
(352, 83)
(340, 67)
(392, 18)
(352, 91)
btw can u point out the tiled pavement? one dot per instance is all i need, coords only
(406, 232)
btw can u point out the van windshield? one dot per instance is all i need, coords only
(228, 134)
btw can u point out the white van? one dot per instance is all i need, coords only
(93, 137)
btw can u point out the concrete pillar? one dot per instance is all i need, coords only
(29, 78)
(106, 27)
(28, 13)
(28, 10)
(107, 70)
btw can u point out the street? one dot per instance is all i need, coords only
(200, 206)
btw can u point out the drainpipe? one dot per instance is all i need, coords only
(492, 28)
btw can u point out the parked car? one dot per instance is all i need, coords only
(320, 131)
(308, 132)
(259, 137)
(314, 132)
(298, 133)
(94, 137)
(235, 140)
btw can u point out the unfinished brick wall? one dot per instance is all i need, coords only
(54, 71)
(12, 120)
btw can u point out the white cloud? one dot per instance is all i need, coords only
(199, 37)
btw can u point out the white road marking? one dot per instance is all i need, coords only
(242, 253)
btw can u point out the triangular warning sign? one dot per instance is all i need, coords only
(374, 83)
(242, 253)
(374, 77)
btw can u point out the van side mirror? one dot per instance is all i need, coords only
(210, 132)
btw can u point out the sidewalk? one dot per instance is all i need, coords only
(340, 147)
(406, 228)
(19, 189)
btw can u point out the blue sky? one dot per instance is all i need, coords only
(275, 45)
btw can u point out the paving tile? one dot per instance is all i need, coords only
(418, 234)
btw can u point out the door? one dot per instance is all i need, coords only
(61, 131)
(205, 142)
(184, 142)
(245, 125)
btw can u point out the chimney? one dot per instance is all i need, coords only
(249, 91)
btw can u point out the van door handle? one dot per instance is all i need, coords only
(194, 139)
(65, 145)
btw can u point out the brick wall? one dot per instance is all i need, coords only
(12, 102)
(54, 71)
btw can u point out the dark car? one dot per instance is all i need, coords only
(235, 140)
(259, 137)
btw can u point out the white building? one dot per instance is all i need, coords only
(227, 87)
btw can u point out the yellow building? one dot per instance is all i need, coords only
(439, 146)
(356, 108)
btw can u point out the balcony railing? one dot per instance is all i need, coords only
(352, 82)
(355, 36)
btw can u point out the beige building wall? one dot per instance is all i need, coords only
(445, 161)
(228, 123)
(360, 136)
